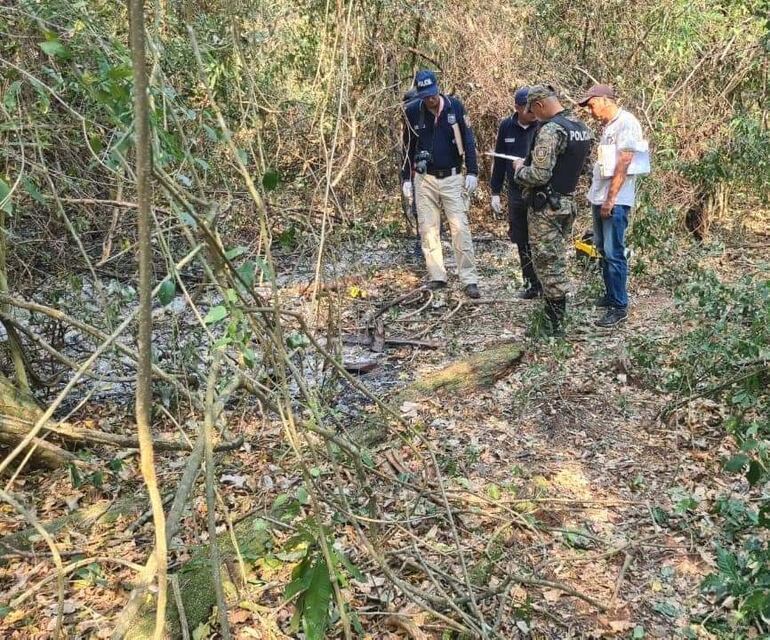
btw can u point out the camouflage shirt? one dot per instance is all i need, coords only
(551, 141)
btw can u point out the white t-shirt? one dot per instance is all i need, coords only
(625, 132)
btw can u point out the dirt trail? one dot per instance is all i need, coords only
(570, 443)
(575, 430)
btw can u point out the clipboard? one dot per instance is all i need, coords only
(504, 156)
(608, 157)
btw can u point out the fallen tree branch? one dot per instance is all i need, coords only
(400, 300)
(112, 203)
(76, 434)
(44, 454)
(368, 341)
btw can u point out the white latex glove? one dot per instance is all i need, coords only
(407, 189)
(496, 206)
(471, 182)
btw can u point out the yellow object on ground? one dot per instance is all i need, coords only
(586, 249)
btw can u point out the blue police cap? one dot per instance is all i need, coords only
(520, 97)
(426, 84)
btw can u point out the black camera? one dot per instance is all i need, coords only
(546, 196)
(421, 161)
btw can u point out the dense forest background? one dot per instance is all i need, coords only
(337, 452)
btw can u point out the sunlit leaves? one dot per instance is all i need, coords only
(5, 197)
(216, 314)
(55, 49)
(167, 291)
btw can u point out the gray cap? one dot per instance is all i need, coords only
(540, 92)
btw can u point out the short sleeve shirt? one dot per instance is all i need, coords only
(625, 133)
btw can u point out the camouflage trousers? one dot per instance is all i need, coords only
(549, 233)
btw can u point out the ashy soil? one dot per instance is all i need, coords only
(573, 444)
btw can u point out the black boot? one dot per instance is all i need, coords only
(530, 293)
(555, 310)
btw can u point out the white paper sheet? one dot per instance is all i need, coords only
(502, 155)
(640, 164)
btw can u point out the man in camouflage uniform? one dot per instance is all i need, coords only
(549, 177)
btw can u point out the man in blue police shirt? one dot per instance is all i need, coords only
(438, 139)
(514, 138)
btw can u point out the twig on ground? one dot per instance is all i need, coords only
(619, 581)
(174, 581)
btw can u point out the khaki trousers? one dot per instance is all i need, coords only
(433, 195)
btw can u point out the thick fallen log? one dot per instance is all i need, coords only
(19, 408)
(19, 412)
(196, 584)
(463, 377)
(44, 454)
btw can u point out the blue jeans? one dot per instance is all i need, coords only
(609, 238)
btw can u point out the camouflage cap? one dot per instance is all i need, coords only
(540, 92)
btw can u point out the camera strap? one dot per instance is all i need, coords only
(451, 119)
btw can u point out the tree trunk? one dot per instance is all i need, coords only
(461, 378)
(157, 565)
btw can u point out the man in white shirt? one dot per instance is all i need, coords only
(612, 198)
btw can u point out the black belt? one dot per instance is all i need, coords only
(443, 173)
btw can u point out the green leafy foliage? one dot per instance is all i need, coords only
(287, 239)
(167, 291)
(91, 575)
(216, 314)
(54, 48)
(316, 600)
(744, 161)
(33, 190)
(270, 180)
(297, 340)
(6, 204)
(724, 354)
(11, 95)
(745, 576)
(313, 580)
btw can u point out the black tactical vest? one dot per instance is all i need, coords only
(569, 164)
